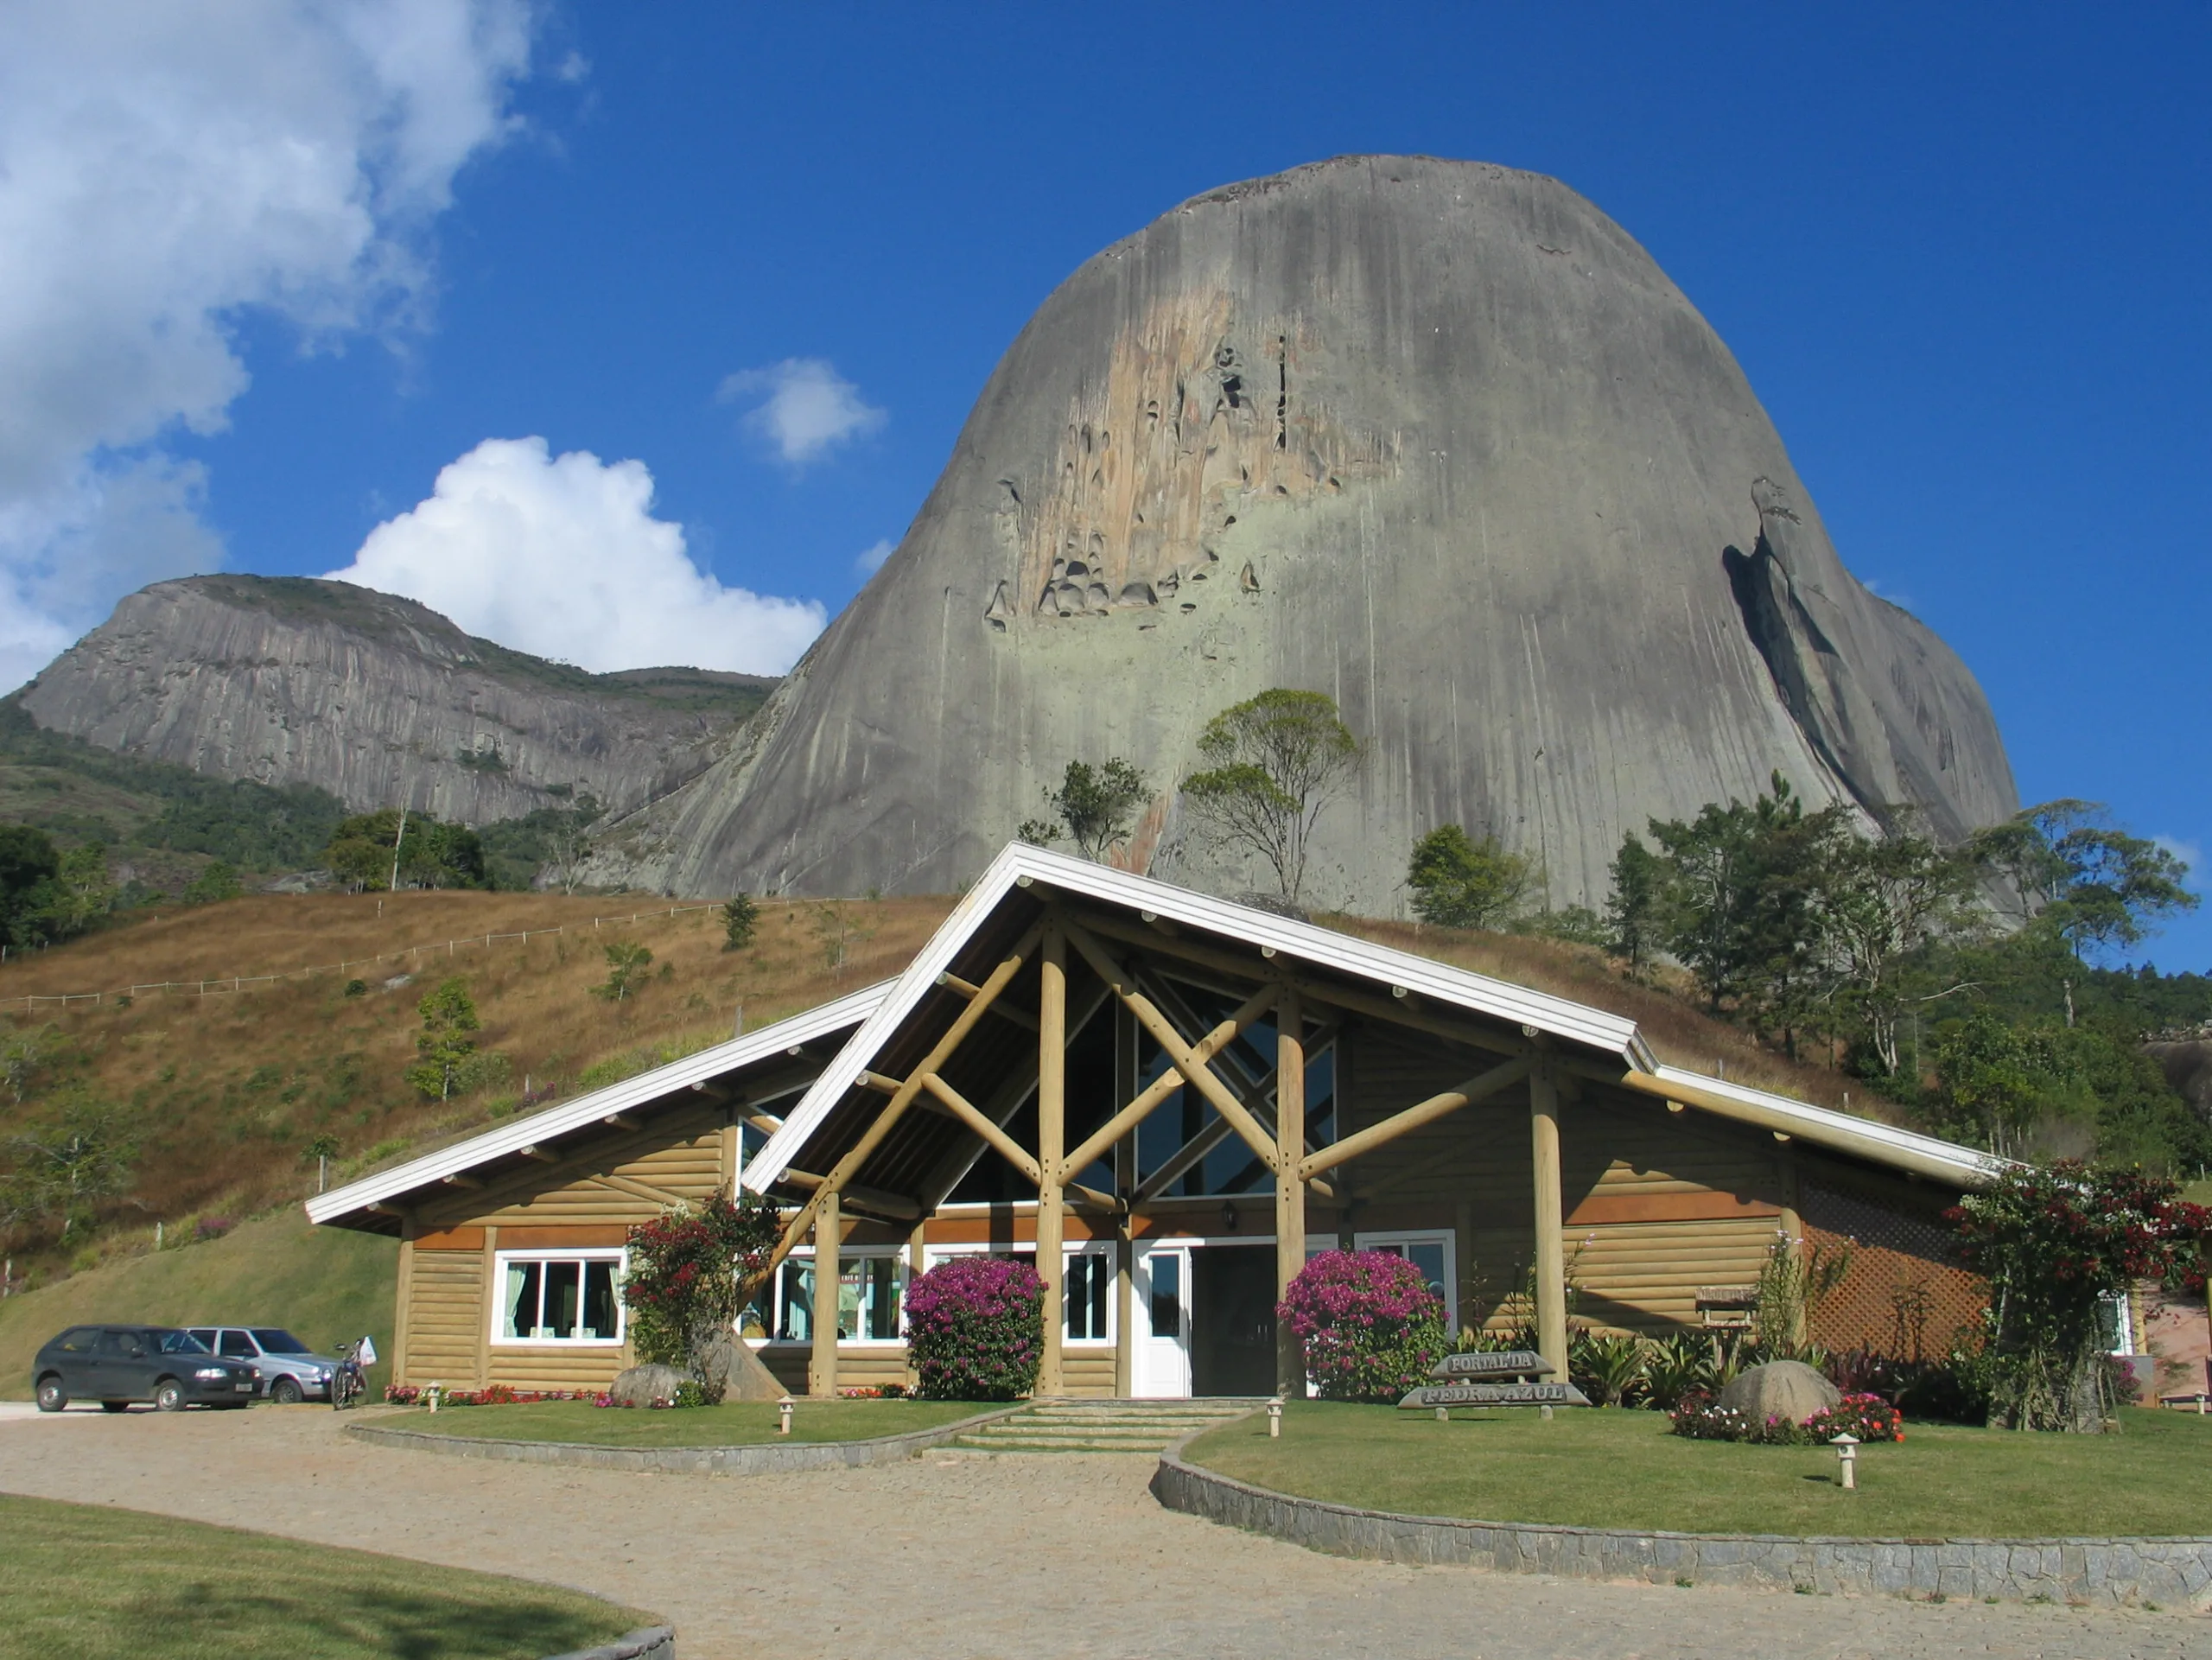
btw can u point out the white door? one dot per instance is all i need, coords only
(1162, 1368)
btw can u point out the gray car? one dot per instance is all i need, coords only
(289, 1372)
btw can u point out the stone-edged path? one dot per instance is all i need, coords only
(963, 1554)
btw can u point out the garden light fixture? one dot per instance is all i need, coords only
(1847, 1451)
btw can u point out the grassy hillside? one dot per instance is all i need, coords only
(224, 1094)
(326, 1284)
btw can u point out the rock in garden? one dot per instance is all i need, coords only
(1781, 1389)
(743, 1377)
(640, 1386)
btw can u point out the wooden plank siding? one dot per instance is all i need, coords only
(1656, 1204)
(444, 1316)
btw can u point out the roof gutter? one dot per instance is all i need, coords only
(1865, 1138)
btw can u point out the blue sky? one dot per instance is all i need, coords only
(1960, 252)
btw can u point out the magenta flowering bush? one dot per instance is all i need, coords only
(1368, 1322)
(975, 1329)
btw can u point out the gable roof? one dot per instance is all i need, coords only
(351, 1203)
(1583, 1035)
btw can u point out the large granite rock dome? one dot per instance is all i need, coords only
(1435, 437)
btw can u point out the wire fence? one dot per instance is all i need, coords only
(226, 985)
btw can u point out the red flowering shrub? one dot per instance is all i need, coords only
(976, 1328)
(689, 1270)
(1368, 1325)
(495, 1394)
(2054, 1242)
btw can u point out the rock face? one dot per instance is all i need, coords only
(1781, 1389)
(379, 700)
(1434, 437)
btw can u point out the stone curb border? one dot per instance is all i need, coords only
(653, 1642)
(2102, 1572)
(760, 1459)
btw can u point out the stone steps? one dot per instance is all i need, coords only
(1141, 1427)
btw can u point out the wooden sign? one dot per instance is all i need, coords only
(1493, 1395)
(1510, 1362)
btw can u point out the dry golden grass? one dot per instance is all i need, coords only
(227, 1089)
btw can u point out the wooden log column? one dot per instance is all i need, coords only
(1125, 1184)
(1551, 1255)
(1052, 1145)
(828, 1238)
(1290, 1184)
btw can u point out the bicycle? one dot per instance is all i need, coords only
(348, 1384)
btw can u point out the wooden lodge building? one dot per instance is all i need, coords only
(1168, 1101)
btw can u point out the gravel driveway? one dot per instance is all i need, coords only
(968, 1554)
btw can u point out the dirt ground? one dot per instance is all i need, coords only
(969, 1556)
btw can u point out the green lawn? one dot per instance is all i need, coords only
(1623, 1469)
(86, 1582)
(738, 1424)
(329, 1285)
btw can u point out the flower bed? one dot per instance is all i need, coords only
(495, 1394)
(1869, 1417)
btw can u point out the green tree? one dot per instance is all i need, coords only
(65, 1169)
(1636, 912)
(1273, 762)
(1097, 806)
(626, 962)
(2098, 886)
(84, 890)
(363, 851)
(446, 1043)
(741, 916)
(29, 865)
(1458, 882)
(1878, 905)
(218, 881)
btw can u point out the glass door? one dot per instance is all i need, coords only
(1162, 1368)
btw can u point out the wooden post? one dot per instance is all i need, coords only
(828, 1236)
(1052, 1145)
(1551, 1259)
(1290, 1185)
(1125, 1184)
(917, 1265)
(403, 1304)
(489, 1310)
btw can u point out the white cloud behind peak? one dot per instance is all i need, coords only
(163, 169)
(562, 556)
(806, 408)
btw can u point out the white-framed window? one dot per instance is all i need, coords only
(1086, 1285)
(1087, 1297)
(2116, 1323)
(1428, 1249)
(871, 1297)
(558, 1296)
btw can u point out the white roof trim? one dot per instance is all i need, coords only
(768, 1043)
(1848, 1132)
(1569, 1022)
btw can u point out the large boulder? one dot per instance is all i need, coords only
(1436, 437)
(640, 1386)
(740, 1372)
(1789, 1389)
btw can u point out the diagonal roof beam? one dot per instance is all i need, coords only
(886, 1120)
(1187, 1060)
(1366, 1141)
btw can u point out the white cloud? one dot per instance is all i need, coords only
(871, 559)
(163, 169)
(806, 407)
(2187, 852)
(562, 556)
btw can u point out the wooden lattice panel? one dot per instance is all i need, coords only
(1904, 1295)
